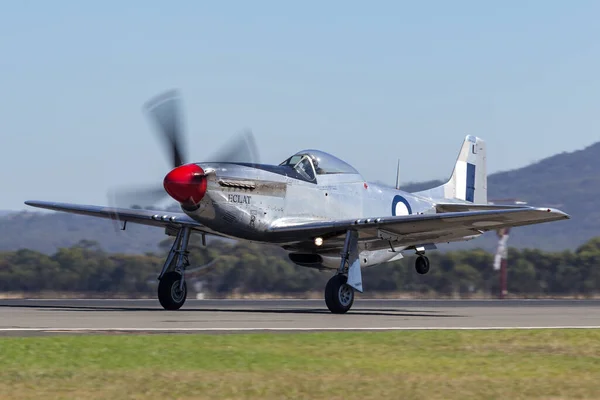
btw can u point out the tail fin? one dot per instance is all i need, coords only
(469, 178)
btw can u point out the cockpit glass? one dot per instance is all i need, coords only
(324, 163)
(292, 161)
(305, 168)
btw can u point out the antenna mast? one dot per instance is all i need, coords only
(398, 176)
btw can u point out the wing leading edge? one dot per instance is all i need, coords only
(403, 230)
(144, 217)
(424, 228)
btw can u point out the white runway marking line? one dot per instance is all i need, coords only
(412, 328)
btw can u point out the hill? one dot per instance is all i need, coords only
(569, 181)
(47, 231)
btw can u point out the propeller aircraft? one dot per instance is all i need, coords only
(314, 205)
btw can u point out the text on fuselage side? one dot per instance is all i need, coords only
(238, 198)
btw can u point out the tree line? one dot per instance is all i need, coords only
(245, 268)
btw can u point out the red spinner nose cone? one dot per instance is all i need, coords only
(186, 184)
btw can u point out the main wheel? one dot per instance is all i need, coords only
(422, 265)
(339, 296)
(169, 294)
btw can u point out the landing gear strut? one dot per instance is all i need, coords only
(172, 289)
(339, 291)
(422, 264)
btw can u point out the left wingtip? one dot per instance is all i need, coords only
(36, 203)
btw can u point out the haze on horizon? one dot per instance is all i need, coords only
(367, 82)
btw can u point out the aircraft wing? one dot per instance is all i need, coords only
(422, 228)
(458, 207)
(138, 216)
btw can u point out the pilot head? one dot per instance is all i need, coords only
(314, 160)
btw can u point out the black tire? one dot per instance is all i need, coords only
(422, 265)
(339, 296)
(169, 295)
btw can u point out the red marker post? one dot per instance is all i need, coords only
(500, 259)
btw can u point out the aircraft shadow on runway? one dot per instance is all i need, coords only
(388, 312)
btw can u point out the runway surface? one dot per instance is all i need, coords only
(26, 317)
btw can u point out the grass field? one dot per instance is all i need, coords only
(537, 364)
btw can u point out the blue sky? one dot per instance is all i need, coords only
(370, 82)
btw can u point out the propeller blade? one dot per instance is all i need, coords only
(241, 148)
(142, 197)
(165, 110)
(145, 197)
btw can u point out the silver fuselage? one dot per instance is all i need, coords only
(243, 201)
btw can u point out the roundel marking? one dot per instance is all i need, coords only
(400, 206)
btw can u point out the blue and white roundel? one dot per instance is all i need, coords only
(401, 206)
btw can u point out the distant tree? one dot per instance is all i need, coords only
(250, 268)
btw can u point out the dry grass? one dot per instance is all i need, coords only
(544, 364)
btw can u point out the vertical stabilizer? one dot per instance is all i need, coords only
(468, 182)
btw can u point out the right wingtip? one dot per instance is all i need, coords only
(555, 211)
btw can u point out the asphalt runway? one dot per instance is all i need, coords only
(30, 317)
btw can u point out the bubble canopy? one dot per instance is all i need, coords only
(323, 162)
